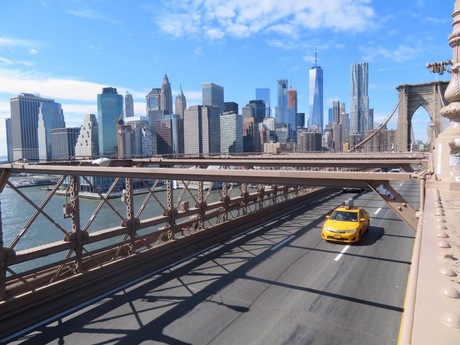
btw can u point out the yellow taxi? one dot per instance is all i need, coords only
(346, 223)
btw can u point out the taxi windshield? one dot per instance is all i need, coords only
(345, 216)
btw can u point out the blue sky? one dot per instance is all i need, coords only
(68, 50)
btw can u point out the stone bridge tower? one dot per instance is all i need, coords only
(430, 97)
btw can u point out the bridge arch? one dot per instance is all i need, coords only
(430, 96)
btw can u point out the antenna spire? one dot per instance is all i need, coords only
(316, 56)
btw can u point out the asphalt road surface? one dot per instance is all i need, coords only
(279, 283)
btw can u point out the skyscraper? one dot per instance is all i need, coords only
(255, 108)
(50, 116)
(231, 107)
(24, 125)
(201, 130)
(291, 114)
(166, 96)
(63, 142)
(109, 111)
(129, 105)
(316, 97)
(125, 140)
(87, 145)
(140, 127)
(164, 136)
(264, 95)
(335, 111)
(231, 134)
(152, 100)
(251, 135)
(213, 95)
(280, 111)
(359, 108)
(180, 104)
(154, 113)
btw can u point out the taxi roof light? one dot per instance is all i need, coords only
(348, 203)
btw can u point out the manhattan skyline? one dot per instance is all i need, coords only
(240, 46)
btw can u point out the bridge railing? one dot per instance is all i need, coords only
(138, 214)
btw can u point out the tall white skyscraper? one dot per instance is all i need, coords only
(359, 108)
(315, 98)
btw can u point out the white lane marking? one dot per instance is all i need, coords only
(378, 210)
(337, 258)
(282, 242)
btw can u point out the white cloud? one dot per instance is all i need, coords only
(92, 14)
(5, 61)
(179, 24)
(243, 18)
(15, 82)
(81, 100)
(14, 42)
(214, 34)
(193, 97)
(401, 53)
(9, 62)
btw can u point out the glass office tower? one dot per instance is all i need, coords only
(264, 95)
(109, 111)
(315, 119)
(281, 109)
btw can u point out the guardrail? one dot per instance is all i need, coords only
(86, 263)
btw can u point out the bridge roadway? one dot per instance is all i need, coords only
(279, 283)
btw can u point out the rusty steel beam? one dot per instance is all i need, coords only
(366, 162)
(328, 163)
(395, 201)
(294, 156)
(287, 177)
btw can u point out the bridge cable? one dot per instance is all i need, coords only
(378, 129)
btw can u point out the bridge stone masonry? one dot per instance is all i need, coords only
(432, 306)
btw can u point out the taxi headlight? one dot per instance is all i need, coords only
(326, 228)
(350, 231)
